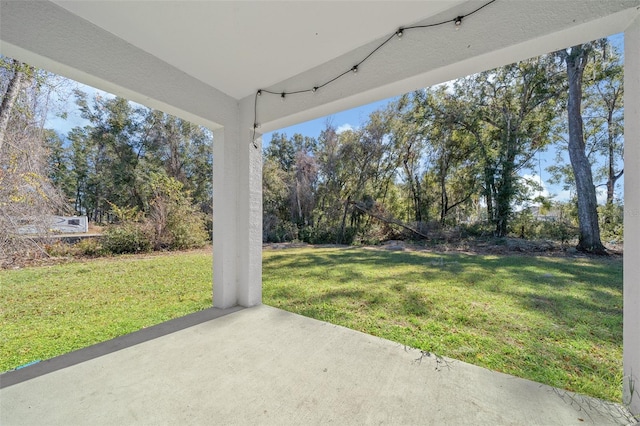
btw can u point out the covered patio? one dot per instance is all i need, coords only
(241, 68)
(262, 365)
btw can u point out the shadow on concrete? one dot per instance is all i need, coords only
(14, 377)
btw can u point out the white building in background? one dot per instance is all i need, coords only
(55, 224)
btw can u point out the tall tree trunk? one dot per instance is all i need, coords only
(9, 99)
(589, 240)
(344, 222)
(489, 192)
(612, 177)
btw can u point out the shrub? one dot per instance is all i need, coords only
(611, 222)
(177, 224)
(477, 229)
(187, 230)
(89, 247)
(60, 249)
(128, 237)
(276, 231)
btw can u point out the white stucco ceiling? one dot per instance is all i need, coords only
(238, 46)
(203, 60)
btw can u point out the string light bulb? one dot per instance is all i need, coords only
(400, 32)
(315, 89)
(256, 126)
(458, 22)
(282, 96)
(354, 69)
(260, 92)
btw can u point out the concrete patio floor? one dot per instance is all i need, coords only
(265, 366)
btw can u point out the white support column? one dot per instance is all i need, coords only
(237, 214)
(225, 243)
(631, 333)
(250, 210)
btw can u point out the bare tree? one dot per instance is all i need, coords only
(26, 194)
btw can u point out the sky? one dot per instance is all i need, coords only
(354, 118)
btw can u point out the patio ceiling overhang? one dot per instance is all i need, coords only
(200, 59)
(205, 60)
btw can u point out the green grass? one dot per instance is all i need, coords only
(553, 320)
(48, 311)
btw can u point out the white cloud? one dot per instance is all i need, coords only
(343, 128)
(563, 195)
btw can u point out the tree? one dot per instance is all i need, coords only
(124, 144)
(409, 143)
(27, 196)
(498, 118)
(450, 144)
(575, 59)
(516, 105)
(16, 71)
(603, 110)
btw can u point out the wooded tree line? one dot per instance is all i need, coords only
(456, 154)
(127, 164)
(113, 159)
(446, 157)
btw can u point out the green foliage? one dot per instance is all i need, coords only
(187, 229)
(525, 225)
(109, 161)
(126, 214)
(177, 223)
(477, 229)
(611, 217)
(90, 247)
(128, 237)
(277, 231)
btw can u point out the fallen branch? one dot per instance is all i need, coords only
(387, 220)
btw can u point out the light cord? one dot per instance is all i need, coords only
(457, 21)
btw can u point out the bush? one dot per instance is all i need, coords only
(89, 247)
(176, 222)
(128, 237)
(276, 231)
(60, 249)
(611, 222)
(477, 229)
(187, 231)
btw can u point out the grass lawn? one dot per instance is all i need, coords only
(51, 310)
(553, 320)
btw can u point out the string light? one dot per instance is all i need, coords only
(399, 33)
